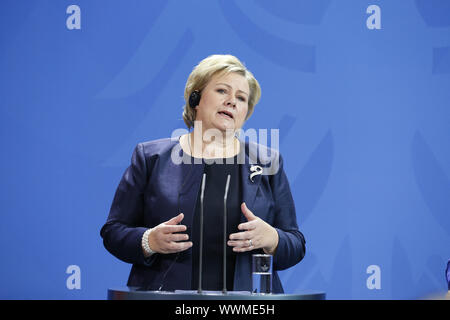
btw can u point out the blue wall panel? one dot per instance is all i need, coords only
(363, 114)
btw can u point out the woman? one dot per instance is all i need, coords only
(154, 218)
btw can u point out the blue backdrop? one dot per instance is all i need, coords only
(361, 95)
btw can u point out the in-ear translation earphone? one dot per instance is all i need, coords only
(194, 99)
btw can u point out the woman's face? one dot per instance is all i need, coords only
(224, 102)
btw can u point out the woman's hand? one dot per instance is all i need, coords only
(164, 239)
(257, 234)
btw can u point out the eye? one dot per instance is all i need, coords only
(221, 90)
(242, 99)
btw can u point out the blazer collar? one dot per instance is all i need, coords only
(249, 187)
(250, 156)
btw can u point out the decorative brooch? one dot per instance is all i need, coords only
(256, 171)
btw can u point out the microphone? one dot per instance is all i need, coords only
(201, 235)
(224, 290)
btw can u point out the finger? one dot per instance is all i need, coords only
(175, 220)
(240, 244)
(178, 237)
(243, 249)
(172, 229)
(247, 213)
(251, 225)
(174, 247)
(241, 235)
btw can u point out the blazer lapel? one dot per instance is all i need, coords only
(189, 190)
(249, 186)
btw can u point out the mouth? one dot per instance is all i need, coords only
(226, 114)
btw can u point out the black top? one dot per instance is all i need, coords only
(213, 213)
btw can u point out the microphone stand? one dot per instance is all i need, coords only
(224, 290)
(201, 236)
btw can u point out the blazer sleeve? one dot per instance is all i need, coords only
(291, 245)
(123, 230)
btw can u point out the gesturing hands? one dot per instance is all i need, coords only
(257, 234)
(164, 239)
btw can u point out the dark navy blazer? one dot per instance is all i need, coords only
(154, 189)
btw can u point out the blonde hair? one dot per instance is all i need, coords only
(208, 68)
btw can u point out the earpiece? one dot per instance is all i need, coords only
(194, 99)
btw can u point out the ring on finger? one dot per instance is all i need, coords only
(250, 242)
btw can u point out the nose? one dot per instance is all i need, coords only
(231, 101)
